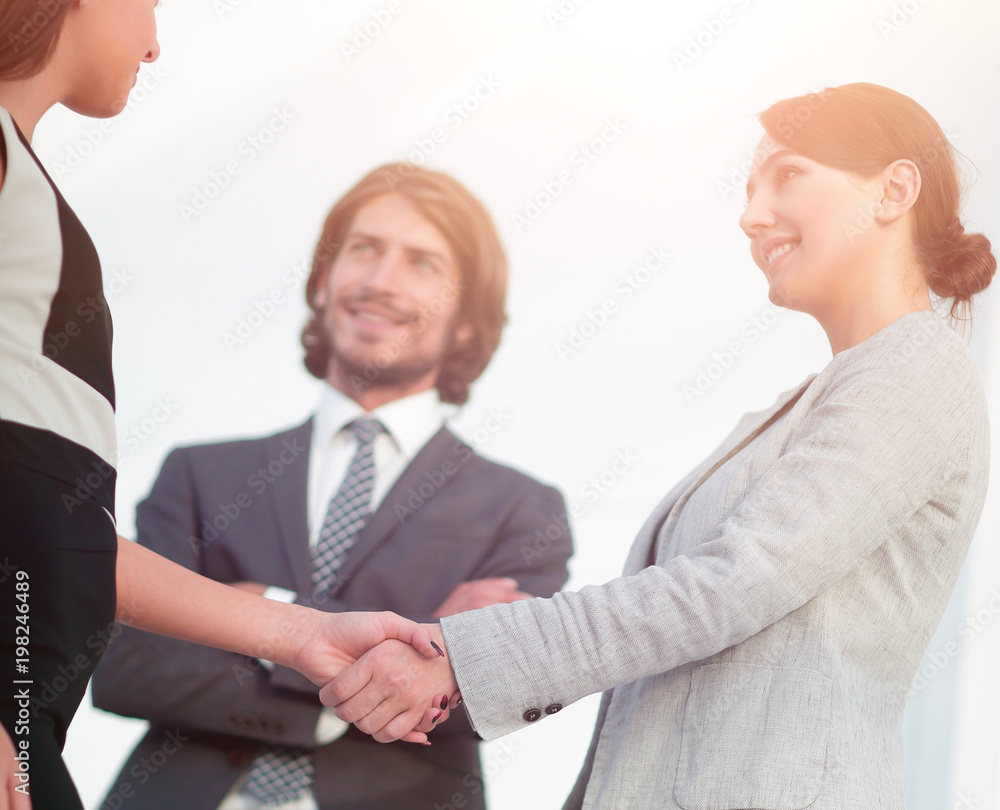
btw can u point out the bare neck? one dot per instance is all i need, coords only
(27, 100)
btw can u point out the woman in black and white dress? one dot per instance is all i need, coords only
(66, 575)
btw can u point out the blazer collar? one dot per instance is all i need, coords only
(644, 551)
(287, 496)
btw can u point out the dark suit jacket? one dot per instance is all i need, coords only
(236, 511)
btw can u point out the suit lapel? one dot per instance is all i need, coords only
(288, 498)
(398, 505)
(666, 513)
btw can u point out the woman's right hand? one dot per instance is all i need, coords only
(10, 798)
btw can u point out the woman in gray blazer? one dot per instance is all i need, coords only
(761, 645)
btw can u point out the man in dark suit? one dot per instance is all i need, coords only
(371, 505)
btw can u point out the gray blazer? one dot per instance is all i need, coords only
(775, 606)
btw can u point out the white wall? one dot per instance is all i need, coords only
(671, 179)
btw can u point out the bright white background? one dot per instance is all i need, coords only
(671, 179)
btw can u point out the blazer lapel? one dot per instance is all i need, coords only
(750, 427)
(288, 498)
(443, 448)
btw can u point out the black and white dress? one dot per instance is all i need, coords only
(57, 466)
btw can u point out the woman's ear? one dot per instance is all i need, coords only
(900, 189)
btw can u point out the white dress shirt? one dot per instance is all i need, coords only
(409, 424)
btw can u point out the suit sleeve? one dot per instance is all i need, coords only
(874, 449)
(173, 682)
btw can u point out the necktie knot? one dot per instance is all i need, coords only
(365, 430)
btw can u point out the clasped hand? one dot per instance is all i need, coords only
(393, 692)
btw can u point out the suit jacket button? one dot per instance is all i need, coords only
(555, 707)
(532, 715)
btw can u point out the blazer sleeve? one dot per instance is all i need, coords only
(174, 682)
(874, 448)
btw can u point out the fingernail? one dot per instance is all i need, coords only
(426, 743)
(437, 717)
(437, 649)
(458, 702)
(444, 703)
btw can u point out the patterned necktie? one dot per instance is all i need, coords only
(283, 773)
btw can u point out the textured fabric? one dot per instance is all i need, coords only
(776, 604)
(284, 773)
(280, 775)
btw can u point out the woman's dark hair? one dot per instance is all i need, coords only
(862, 128)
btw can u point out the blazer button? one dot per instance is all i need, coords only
(532, 715)
(555, 707)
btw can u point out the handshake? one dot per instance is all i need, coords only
(389, 676)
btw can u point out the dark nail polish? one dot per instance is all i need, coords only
(437, 717)
(444, 703)
(438, 649)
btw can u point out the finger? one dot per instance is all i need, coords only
(399, 726)
(350, 684)
(433, 717)
(415, 737)
(522, 595)
(14, 799)
(416, 635)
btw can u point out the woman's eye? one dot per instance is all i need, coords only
(784, 173)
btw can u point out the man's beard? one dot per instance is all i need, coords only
(376, 372)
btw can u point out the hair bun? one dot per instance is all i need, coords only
(963, 266)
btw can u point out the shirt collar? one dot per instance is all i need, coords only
(410, 421)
